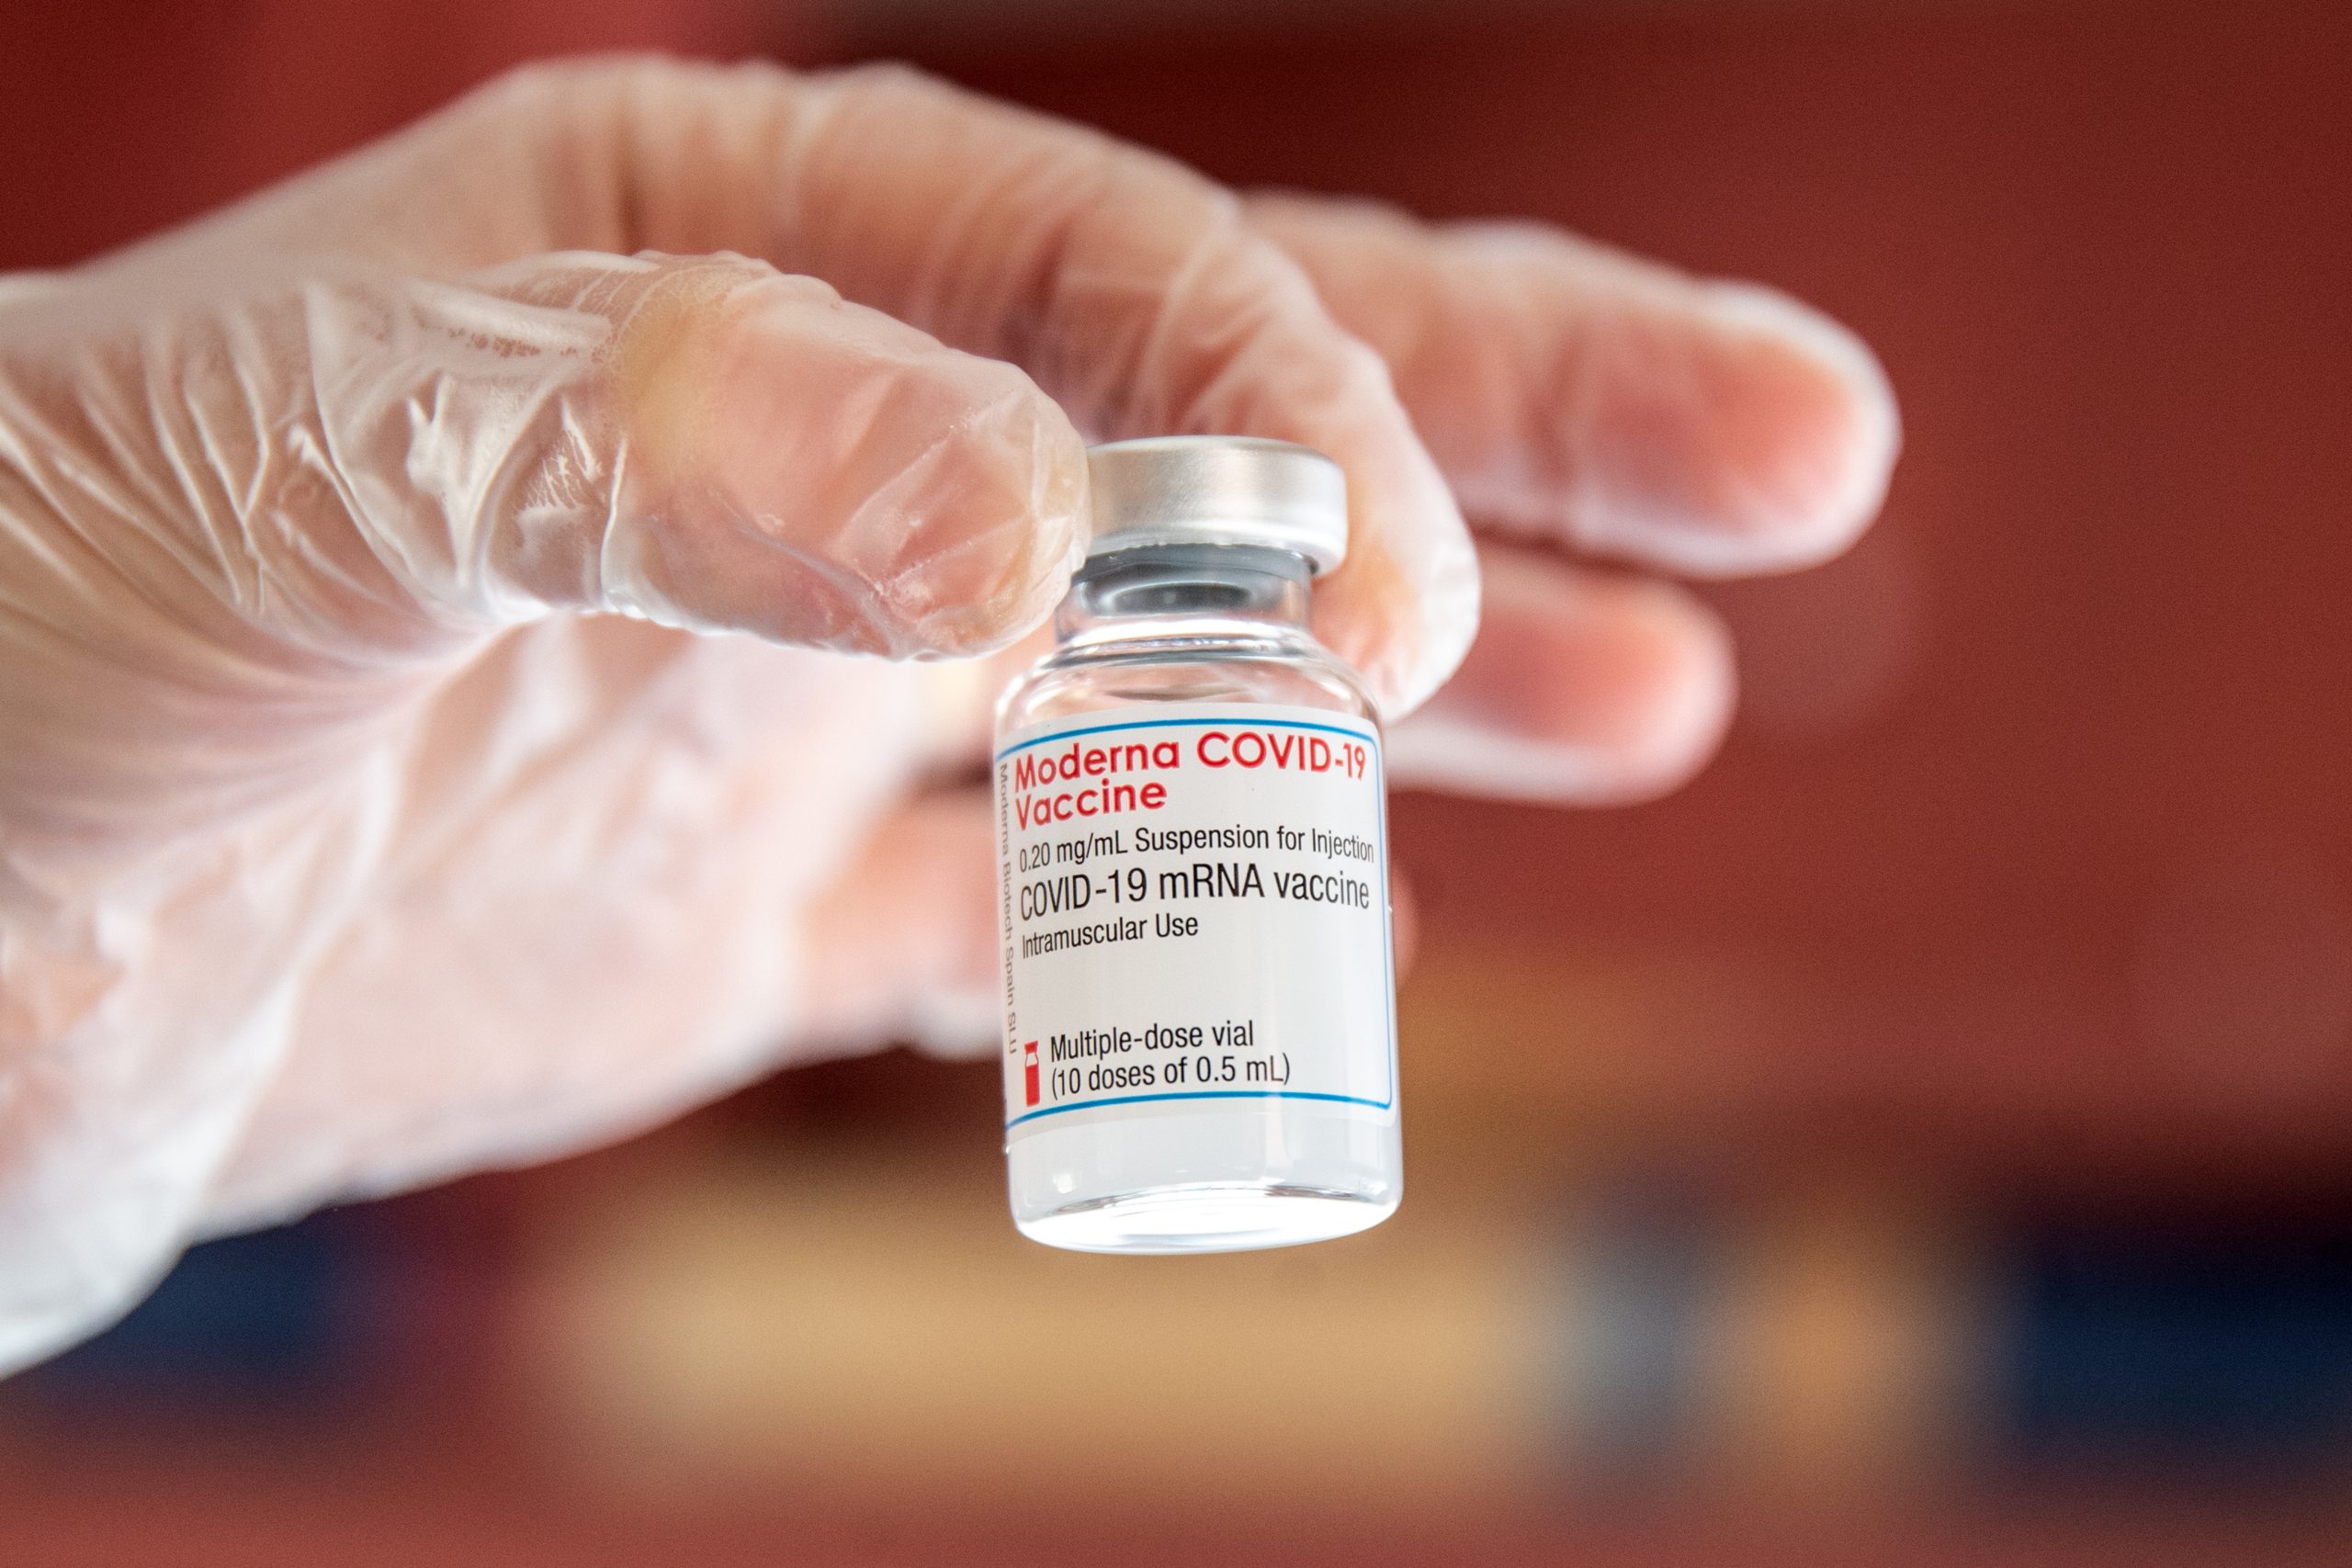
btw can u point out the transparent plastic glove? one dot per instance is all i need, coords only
(369, 808)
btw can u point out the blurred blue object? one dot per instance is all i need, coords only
(2209, 1348)
(268, 1318)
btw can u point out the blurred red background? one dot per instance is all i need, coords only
(2004, 959)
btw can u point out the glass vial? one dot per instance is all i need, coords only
(1192, 834)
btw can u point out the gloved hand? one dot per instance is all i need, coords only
(370, 813)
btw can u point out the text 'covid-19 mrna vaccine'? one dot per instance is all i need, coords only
(1192, 845)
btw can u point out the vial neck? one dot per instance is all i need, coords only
(1171, 589)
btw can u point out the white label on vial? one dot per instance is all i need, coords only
(1196, 914)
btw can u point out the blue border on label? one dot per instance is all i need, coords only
(1202, 1094)
(1387, 933)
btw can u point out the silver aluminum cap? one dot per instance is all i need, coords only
(1218, 490)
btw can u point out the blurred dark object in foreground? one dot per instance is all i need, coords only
(272, 1320)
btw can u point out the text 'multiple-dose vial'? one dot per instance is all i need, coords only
(1192, 837)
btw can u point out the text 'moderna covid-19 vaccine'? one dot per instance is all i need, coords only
(1199, 990)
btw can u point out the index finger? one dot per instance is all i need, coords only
(1135, 294)
(1130, 288)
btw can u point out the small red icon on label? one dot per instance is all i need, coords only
(1029, 1071)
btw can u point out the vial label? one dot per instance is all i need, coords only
(1196, 914)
